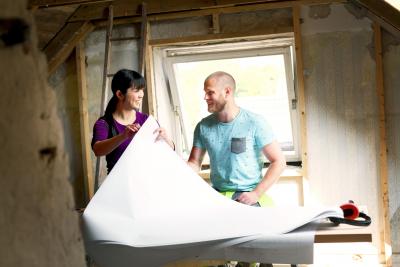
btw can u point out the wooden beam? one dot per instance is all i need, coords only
(84, 121)
(35, 4)
(215, 22)
(151, 95)
(222, 37)
(300, 91)
(64, 43)
(383, 172)
(175, 9)
(381, 10)
(144, 39)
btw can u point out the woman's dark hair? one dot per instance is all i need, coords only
(123, 80)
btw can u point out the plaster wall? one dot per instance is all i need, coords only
(391, 64)
(276, 20)
(64, 83)
(180, 27)
(341, 110)
(39, 226)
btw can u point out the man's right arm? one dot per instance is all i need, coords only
(196, 158)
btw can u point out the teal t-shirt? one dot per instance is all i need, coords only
(234, 148)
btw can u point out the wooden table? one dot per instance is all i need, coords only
(326, 233)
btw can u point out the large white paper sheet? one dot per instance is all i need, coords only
(153, 203)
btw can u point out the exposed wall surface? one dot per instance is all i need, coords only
(342, 110)
(64, 83)
(274, 20)
(391, 65)
(39, 226)
(180, 28)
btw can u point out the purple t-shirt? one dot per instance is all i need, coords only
(101, 132)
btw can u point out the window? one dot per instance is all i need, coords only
(263, 72)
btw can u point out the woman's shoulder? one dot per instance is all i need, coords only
(101, 122)
(141, 117)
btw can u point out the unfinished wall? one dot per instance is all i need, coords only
(342, 109)
(391, 65)
(64, 83)
(39, 226)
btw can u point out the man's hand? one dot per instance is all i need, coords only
(248, 198)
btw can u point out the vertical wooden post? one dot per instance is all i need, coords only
(300, 91)
(152, 103)
(105, 86)
(383, 173)
(143, 40)
(84, 121)
(216, 25)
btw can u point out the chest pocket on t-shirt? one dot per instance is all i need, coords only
(238, 145)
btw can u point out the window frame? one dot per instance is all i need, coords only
(190, 53)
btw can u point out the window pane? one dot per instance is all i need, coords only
(261, 88)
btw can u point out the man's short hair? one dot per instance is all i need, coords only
(223, 79)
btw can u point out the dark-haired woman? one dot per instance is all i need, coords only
(113, 132)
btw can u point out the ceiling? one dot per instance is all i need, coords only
(60, 23)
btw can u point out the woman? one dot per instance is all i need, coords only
(113, 132)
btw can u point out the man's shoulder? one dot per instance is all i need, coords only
(208, 121)
(251, 116)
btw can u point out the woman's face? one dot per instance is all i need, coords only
(133, 98)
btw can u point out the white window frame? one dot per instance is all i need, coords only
(283, 46)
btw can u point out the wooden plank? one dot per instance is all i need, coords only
(34, 4)
(155, 13)
(223, 36)
(383, 10)
(327, 233)
(104, 90)
(390, 22)
(151, 95)
(383, 171)
(84, 121)
(144, 41)
(64, 43)
(107, 60)
(216, 25)
(300, 92)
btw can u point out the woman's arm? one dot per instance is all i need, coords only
(104, 147)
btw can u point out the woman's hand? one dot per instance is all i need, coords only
(162, 135)
(130, 130)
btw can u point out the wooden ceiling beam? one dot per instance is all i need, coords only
(382, 12)
(64, 43)
(35, 4)
(177, 8)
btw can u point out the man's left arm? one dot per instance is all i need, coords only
(277, 161)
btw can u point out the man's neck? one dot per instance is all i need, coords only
(228, 114)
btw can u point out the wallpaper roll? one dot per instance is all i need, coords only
(153, 208)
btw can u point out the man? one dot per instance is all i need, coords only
(235, 139)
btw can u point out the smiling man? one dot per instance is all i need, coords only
(236, 140)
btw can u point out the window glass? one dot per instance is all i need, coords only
(261, 87)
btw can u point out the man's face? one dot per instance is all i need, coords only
(214, 96)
